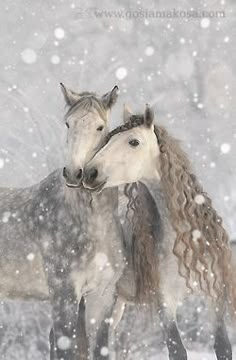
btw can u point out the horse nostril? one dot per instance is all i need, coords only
(64, 172)
(93, 173)
(79, 174)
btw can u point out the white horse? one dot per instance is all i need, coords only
(192, 250)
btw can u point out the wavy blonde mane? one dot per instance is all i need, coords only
(208, 255)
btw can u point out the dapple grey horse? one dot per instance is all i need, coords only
(60, 242)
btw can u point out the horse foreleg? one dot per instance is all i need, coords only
(100, 307)
(172, 337)
(174, 343)
(101, 350)
(222, 344)
(64, 337)
(83, 341)
(52, 344)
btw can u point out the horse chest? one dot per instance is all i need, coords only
(98, 275)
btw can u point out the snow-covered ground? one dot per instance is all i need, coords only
(183, 66)
(192, 355)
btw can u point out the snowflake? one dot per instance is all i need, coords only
(101, 259)
(196, 234)
(149, 51)
(6, 216)
(30, 256)
(64, 343)
(199, 199)
(121, 73)
(55, 59)
(225, 148)
(29, 56)
(59, 33)
(104, 351)
(205, 23)
(200, 106)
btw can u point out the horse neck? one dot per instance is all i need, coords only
(79, 199)
(93, 210)
(77, 204)
(98, 217)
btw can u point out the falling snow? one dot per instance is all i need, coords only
(149, 51)
(225, 148)
(6, 216)
(183, 67)
(29, 56)
(59, 33)
(205, 23)
(199, 199)
(64, 343)
(104, 351)
(101, 259)
(30, 256)
(121, 73)
(55, 59)
(196, 234)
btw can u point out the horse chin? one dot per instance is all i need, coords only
(97, 188)
(73, 186)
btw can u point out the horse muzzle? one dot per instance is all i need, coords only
(73, 180)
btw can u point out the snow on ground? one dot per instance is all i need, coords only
(192, 355)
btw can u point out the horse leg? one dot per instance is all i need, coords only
(172, 337)
(83, 341)
(174, 343)
(52, 344)
(65, 327)
(102, 320)
(222, 344)
(102, 338)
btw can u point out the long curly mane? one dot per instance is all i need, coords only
(201, 244)
(146, 240)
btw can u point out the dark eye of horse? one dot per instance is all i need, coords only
(67, 125)
(134, 142)
(100, 128)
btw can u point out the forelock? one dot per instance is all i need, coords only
(135, 121)
(88, 101)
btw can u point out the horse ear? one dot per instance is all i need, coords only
(70, 96)
(127, 112)
(109, 99)
(148, 116)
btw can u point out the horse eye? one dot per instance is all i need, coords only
(134, 142)
(100, 128)
(67, 125)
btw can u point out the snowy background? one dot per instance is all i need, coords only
(183, 67)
